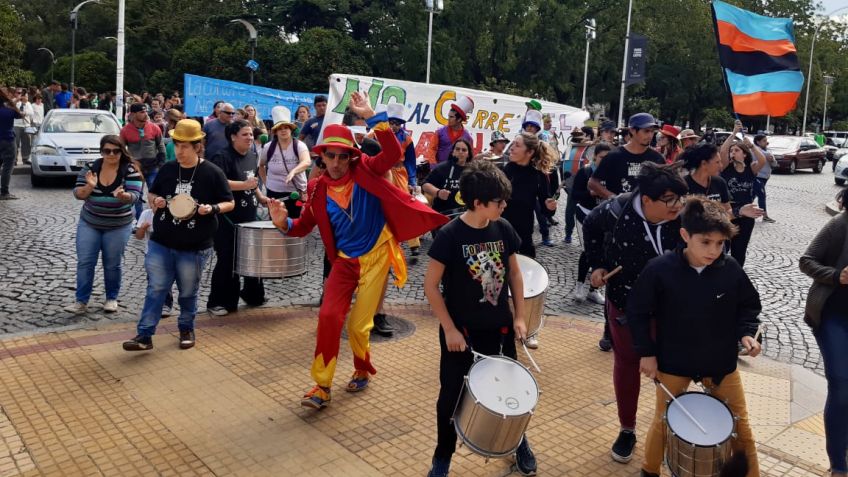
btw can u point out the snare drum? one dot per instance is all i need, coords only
(262, 251)
(499, 396)
(182, 206)
(688, 451)
(535, 279)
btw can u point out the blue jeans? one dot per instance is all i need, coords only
(760, 192)
(832, 337)
(164, 266)
(91, 243)
(149, 177)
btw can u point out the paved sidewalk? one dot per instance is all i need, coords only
(74, 403)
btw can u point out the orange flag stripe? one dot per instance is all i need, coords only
(732, 37)
(765, 104)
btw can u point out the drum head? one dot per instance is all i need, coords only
(258, 224)
(503, 386)
(711, 413)
(182, 206)
(534, 276)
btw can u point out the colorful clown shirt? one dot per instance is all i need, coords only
(476, 277)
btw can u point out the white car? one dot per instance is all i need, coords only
(840, 173)
(67, 140)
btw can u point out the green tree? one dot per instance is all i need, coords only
(93, 70)
(13, 47)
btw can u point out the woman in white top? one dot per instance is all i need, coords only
(23, 140)
(37, 111)
(283, 163)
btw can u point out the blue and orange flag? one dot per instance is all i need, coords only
(759, 60)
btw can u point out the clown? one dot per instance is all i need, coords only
(361, 217)
(453, 131)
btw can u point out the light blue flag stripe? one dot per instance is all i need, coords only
(775, 82)
(754, 25)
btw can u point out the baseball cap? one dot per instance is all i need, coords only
(642, 121)
(607, 126)
(137, 108)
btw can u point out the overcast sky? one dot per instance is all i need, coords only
(831, 5)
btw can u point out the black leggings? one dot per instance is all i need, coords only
(453, 366)
(739, 243)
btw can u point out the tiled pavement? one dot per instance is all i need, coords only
(73, 403)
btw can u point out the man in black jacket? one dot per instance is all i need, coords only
(627, 231)
(703, 304)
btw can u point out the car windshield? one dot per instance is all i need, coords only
(100, 123)
(776, 142)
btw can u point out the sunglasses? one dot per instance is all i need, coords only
(229, 112)
(395, 122)
(110, 152)
(342, 156)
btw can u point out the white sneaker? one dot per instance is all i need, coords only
(77, 308)
(111, 306)
(218, 311)
(167, 311)
(580, 292)
(595, 296)
(532, 342)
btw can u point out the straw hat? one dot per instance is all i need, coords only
(688, 134)
(187, 130)
(281, 116)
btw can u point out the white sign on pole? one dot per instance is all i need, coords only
(427, 106)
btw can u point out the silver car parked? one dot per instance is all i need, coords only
(67, 139)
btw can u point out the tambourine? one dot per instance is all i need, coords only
(182, 206)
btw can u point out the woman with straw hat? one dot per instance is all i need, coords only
(283, 163)
(181, 242)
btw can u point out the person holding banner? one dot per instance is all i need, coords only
(361, 217)
(447, 136)
(283, 163)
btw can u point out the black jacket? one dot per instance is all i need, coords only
(700, 317)
(580, 188)
(614, 234)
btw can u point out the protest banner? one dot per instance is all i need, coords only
(201, 93)
(427, 106)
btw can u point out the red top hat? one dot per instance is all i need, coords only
(670, 131)
(463, 106)
(337, 135)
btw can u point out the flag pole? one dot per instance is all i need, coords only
(723, 71)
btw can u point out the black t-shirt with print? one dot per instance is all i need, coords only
(740, 184)
(237, 167)
(207, 186)
(619, 169)
(445, 176)
(716, 189)
(475, 283)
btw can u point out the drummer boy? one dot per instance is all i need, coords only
(703, 304)
(474, 260)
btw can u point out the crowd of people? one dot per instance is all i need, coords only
(666, 218)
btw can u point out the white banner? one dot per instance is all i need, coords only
(427, 107)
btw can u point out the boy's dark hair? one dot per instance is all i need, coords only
(482, 181)
(702, 216)
(589, 132)
(654, 180)
(601, 147)
(759, 137)
(693, 156)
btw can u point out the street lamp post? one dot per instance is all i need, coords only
(432, 6)
(828, 80)
(590, 35)
(251, 30)
(74, 25)
(624, 67)
(52, 60)
(810, 67)
(119, 62)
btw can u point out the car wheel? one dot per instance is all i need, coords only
(839, 181)
(37, 181)
(818, 166)
(793, 166)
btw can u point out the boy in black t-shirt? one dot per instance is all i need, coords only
(618, 173)
(473, 257)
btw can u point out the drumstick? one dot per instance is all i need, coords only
(610, 274)
(685, 411)
(532, 361)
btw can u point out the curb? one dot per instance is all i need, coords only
(21, 169)
(832, 207)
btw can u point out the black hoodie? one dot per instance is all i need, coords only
(700, 317)
(616, 233)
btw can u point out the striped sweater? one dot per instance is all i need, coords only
(101, 209)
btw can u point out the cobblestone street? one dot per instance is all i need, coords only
(38, 266)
